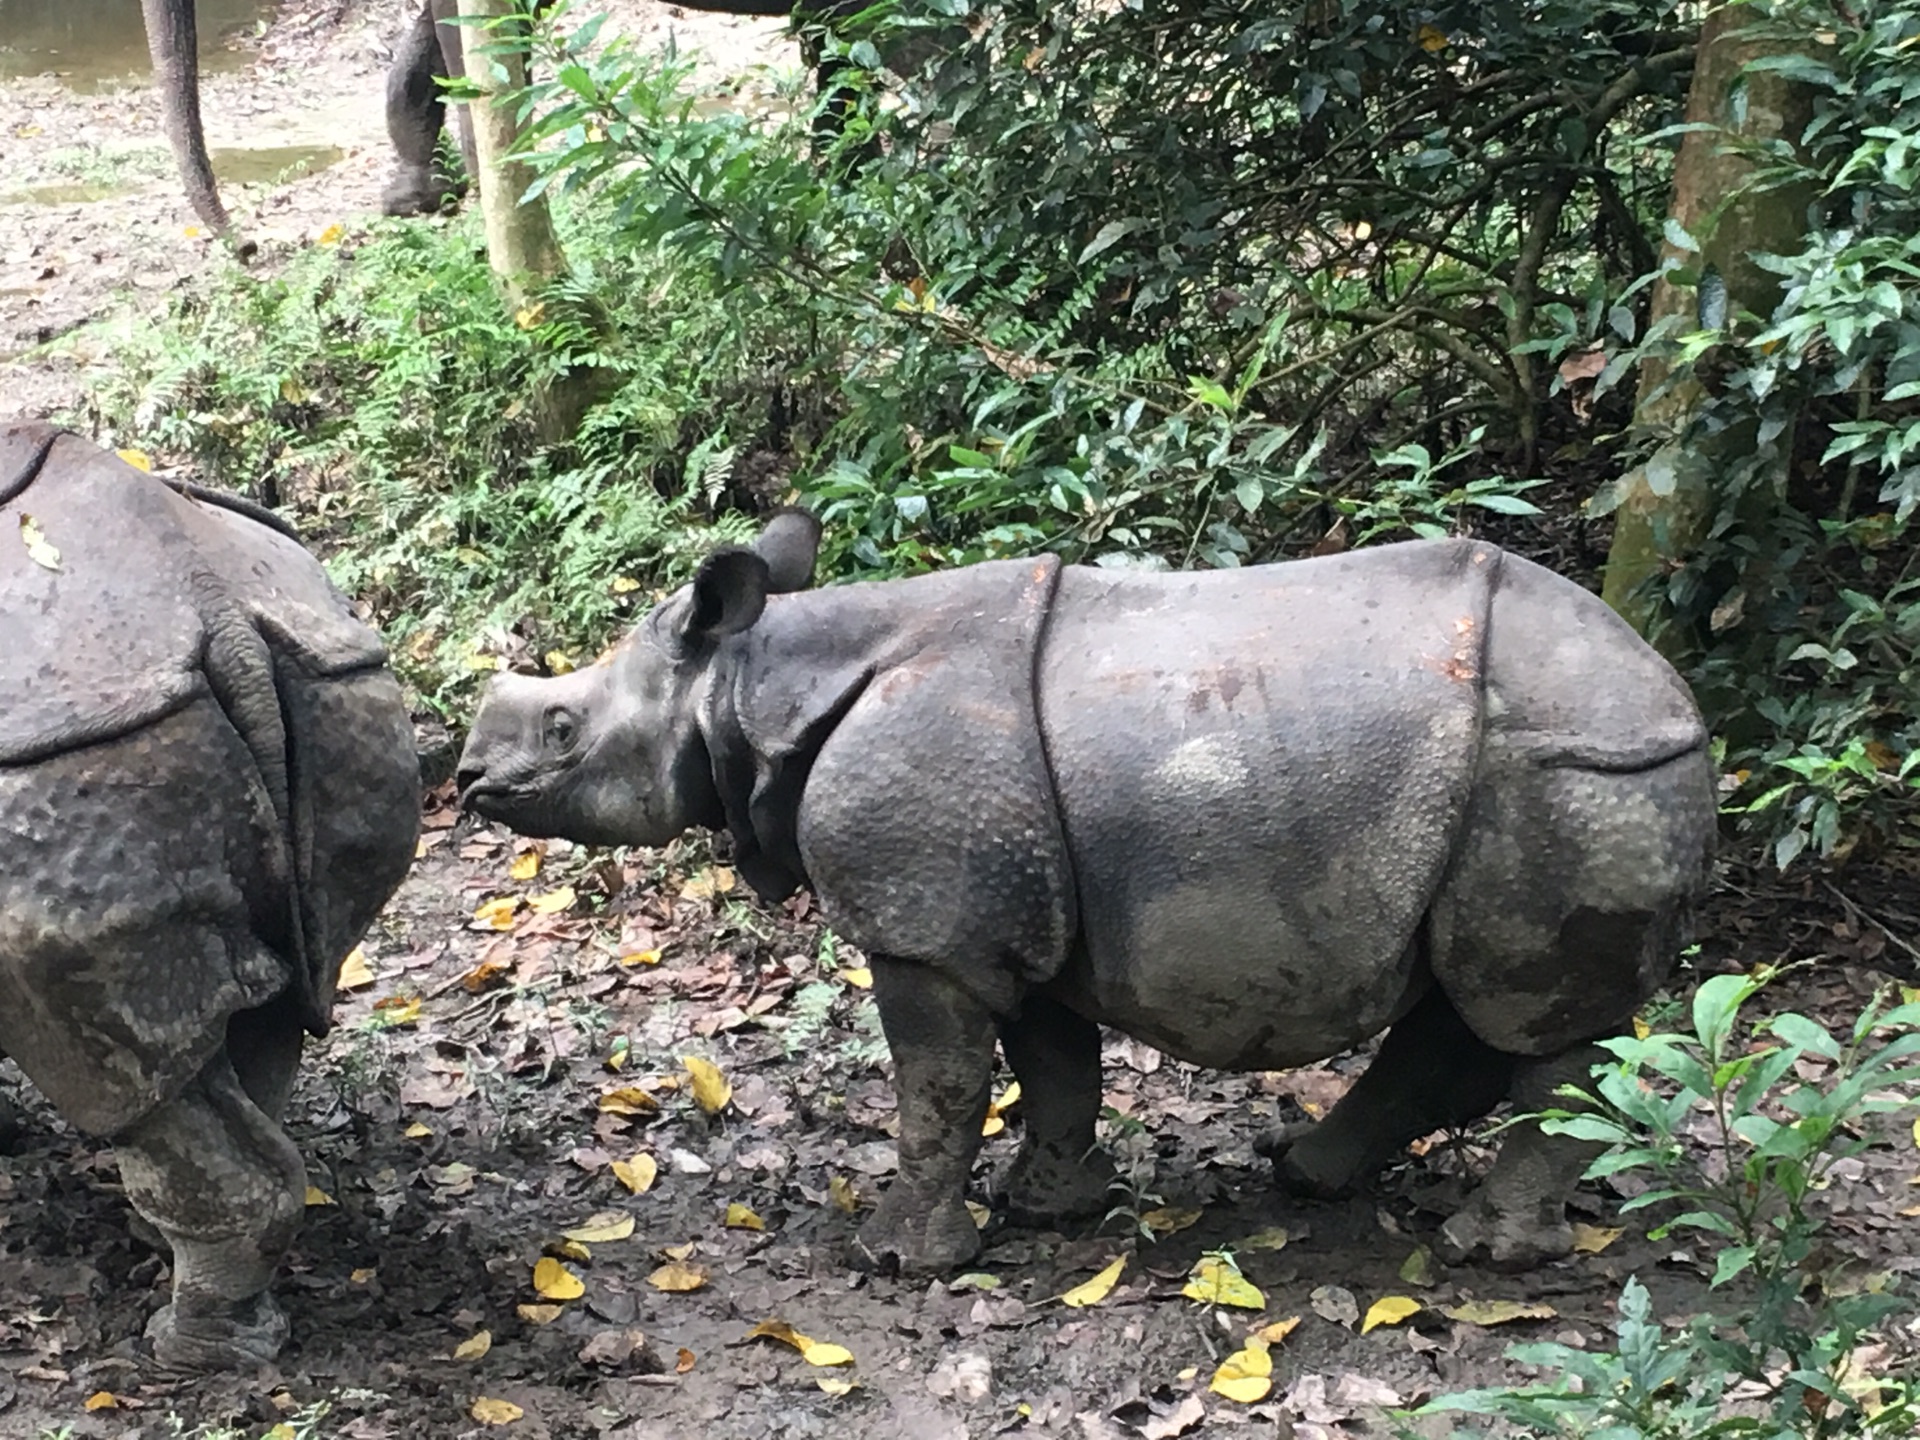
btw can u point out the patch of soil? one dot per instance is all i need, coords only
(316, 83)
(456, 1125)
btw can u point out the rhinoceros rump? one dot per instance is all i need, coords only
(208, 787)
(1252, 816)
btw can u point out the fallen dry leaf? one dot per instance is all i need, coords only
(996, 1120)
(629, 1100)
(362, 1275)
(397, 1010)
(497, 914)
(836, 1384)
(1592, 1239)
(101, 1400)
(1271, 1238)
(711, 1089)
(677, 1277)
(1216, 1280)
(1169, 1220)
(1390, 1310)
(495, 1412)
(474, 1346)
(842, 1196)
(1092, 1292)
(485, 975)
(552, 902)
(538, 1314)
(353, 970)
(1279, 1330)
(1417, 1268)
(553, 1281)
(739, 1217)
(684, 1361)
(38, 550)
(710, 883)
(1335, 1303)
(601, 1227)
(317, 1196)
(1246, 1375)
(814, 1352)
(526, 864)
(980, 1213)
(139, 459)
(858, 976)
(416, 1131)
(636, 1174)
(641, 957)
(1497, 1312)
(569, 1250)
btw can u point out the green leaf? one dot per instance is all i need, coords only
(1109, 235)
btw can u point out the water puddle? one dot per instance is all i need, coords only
(276, 163)
(92, 43)
(69, 193)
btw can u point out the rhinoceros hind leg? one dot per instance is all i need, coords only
(1058, 1174)
(220, 1180)
(1517, 1218)
(1432, 1073)
(942, 1043)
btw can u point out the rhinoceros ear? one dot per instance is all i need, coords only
(789, 544)
(727, 595)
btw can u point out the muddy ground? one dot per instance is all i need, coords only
(457, 1121)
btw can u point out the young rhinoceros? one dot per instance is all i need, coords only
(1253, 817)
(208, 787)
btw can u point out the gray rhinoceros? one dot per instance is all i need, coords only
(1252, 816)
(208, 788)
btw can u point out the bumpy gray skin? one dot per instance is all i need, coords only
(1251, 816)
(208, 788)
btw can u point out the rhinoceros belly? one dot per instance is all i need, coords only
(1260, 774)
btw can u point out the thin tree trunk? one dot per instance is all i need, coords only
(173, 42)
(1659, 524)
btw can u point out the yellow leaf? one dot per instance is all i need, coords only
(1188, 1373)
(538, 1314)
(1271, 1238)
(570, 1250)
(398, 1009)
(684, 1361)
(623, 585)
(836, 1384)
(101, 1400)
(482, 664)
(1432, 39)
(498, 914)
(991, 1126)
(485, 975)
(353, 970)
(1246, 1375)
(600, 1228)
(139, 459)
(1279, 1330)
(317, 1196)
(711, 1089)
(495, 1412)
(416, 1131)
(38, 550)
(679, 1252)
(1641, 1029)
(363, 1275)
(1916, 1134)
(739, 1217)
(1363, 230)
(552, 902)
(529, 316)
(714, 881)
(1497, 1312)
(558, 662)
(841, 1194)
(1215, 1280)
(980, 1213)
(474, 1346)
(636, 1174)
(641, 957)
(859, 976)
(1390, 1311)
(677, 1276)
(997, 1111)
(332, 235)
(628, 1100)
(1592, 1239)
(1093, 1291)
(553, 1281)
(1169, 1220)
(814, 1352)
(526, 864)
(618, 1056)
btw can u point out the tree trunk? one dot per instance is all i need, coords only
(173, 42)
(521, 245)
(1660, 521)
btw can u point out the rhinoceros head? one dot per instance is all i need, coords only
(613, 754)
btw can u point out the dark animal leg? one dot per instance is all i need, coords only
(1518, 1216)
(1058, 1173)
(415, 115)
(1432, 1072)
(942, 1043)
(220, 1180)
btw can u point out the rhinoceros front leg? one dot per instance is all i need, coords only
(222, 1183)
(942, 1042)
(1518, 1216)
(1058, 1174)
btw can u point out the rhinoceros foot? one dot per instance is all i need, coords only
(1505, 1239)
(1047, 1184)
(912, 1235)
(1309, 1162)
(192, 1334)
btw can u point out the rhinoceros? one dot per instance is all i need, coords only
(208, 788)
(1252, 817)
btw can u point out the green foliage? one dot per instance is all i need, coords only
(1784, 1364)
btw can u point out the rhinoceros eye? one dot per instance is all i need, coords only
(562, 730)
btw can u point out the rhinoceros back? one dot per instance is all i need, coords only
(117, 630)
(1260, 774)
